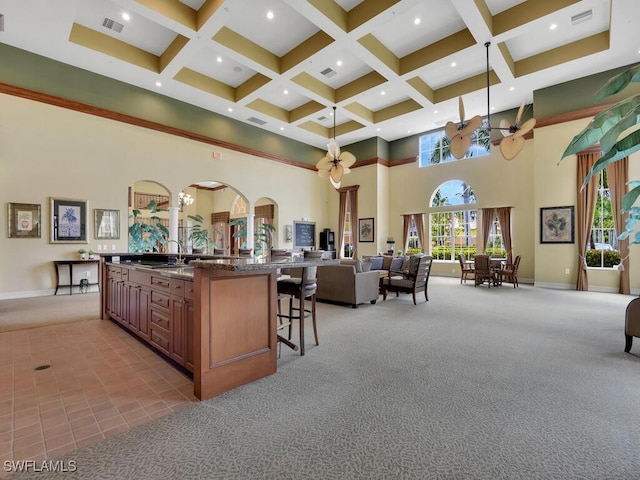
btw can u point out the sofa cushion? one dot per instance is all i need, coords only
(356, 263)
(366, 265)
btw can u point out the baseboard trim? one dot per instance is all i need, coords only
(28, 294)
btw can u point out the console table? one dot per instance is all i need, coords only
(69, 264)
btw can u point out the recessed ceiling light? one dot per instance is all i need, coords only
(286, 92)
(383, 92)
(553, 26)
(339, 63)
(416, 21)
(270, 15)
(453, 64)
(219, 59)
(377, 129)
(126, 16)
(230, 109)
(408, 131)
(281, 128)
(435, 111)
(511, 89)
(158, 84)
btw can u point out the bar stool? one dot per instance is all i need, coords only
(302, 288)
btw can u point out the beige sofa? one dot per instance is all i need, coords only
(343, 284)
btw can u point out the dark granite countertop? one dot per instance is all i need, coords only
(246, 264)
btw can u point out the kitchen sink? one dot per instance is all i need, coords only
(164, 265)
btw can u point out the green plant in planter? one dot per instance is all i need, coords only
(199, 235)
(605, 128)
(146, 237)
(262, 235)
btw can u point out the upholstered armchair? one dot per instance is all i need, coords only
(413, 280)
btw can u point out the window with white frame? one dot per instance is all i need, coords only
(433, 148)
(453, 221)
(602, 246)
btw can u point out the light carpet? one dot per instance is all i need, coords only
(477, 383)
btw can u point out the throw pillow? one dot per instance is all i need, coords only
(376, 263)
(366, 265)
(396, 264)
(386, 262)
(405, 263)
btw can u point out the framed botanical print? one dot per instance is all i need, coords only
(366, 229)
(68, 220)
(24, 220)
(106, 224)
(556, 224)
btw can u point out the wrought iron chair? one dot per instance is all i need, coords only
(509, 272)
(483, 272)
(466, 268)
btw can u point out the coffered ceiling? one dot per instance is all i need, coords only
(392, 67)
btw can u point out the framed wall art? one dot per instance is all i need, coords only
(106, 223)
(366, 230)
(556, 225)
(68, 220)
(24, 220)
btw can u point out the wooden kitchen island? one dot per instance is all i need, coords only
(214, 317)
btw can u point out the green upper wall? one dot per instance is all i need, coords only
(34, 72)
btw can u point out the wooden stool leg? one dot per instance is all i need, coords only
(301, 317)
(313, 318)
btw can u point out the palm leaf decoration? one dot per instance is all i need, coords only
(606, 128)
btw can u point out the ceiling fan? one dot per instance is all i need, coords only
(335, 164)
(460, 134)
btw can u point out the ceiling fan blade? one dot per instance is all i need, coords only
(333, 149)
(336, 173)
(461, 109)
(347, 159)
(471, 125)
(511, 146)
(525, 128)
(336, 185)
(346, 170)
(324, 173)
(519, 115)
(459, 145)
(325, 163)
(451, 129)
(504, 128)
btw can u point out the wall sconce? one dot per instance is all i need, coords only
(184, 199)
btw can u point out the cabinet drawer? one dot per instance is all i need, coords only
(160, 282)
(159, 299)
(141, 278)
(125, 274)
(160, 319)
(189, 290)
(177, 287)
(160, 338)
(114, 272)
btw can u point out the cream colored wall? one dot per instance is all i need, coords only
(556, 185)
(47, 151)
(496, 183)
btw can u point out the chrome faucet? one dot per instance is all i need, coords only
(180, 260)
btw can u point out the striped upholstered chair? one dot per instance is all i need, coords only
(414, 279)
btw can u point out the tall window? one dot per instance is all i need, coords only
(348, 235)
(434, 147)
(495, 245)
(602, 246)
(413, 243)
(453, 231)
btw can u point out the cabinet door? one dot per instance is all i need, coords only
(189, 313)
(132, 294)
(143, 312)
(178, 329)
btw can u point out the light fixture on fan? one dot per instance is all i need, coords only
(335, 164)
(511, 145)
(184, 199)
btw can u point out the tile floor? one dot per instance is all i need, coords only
(101, 382)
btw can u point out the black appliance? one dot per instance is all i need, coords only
(327, 240)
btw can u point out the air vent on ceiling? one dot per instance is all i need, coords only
(582, 17)
(256, 120)
(328, 72)
(1, 22)
(320, 119)
(112, 25)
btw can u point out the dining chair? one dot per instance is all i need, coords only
(466, 268)
(482, 270)
(414, 279)
(301, 285)
(509, 272)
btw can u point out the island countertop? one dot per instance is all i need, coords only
(246, 264)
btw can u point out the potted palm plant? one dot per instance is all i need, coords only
(147, 237)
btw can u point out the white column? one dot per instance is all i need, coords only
(173, 229)
(250, 230)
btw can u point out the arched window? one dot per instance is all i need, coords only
(453, 230)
